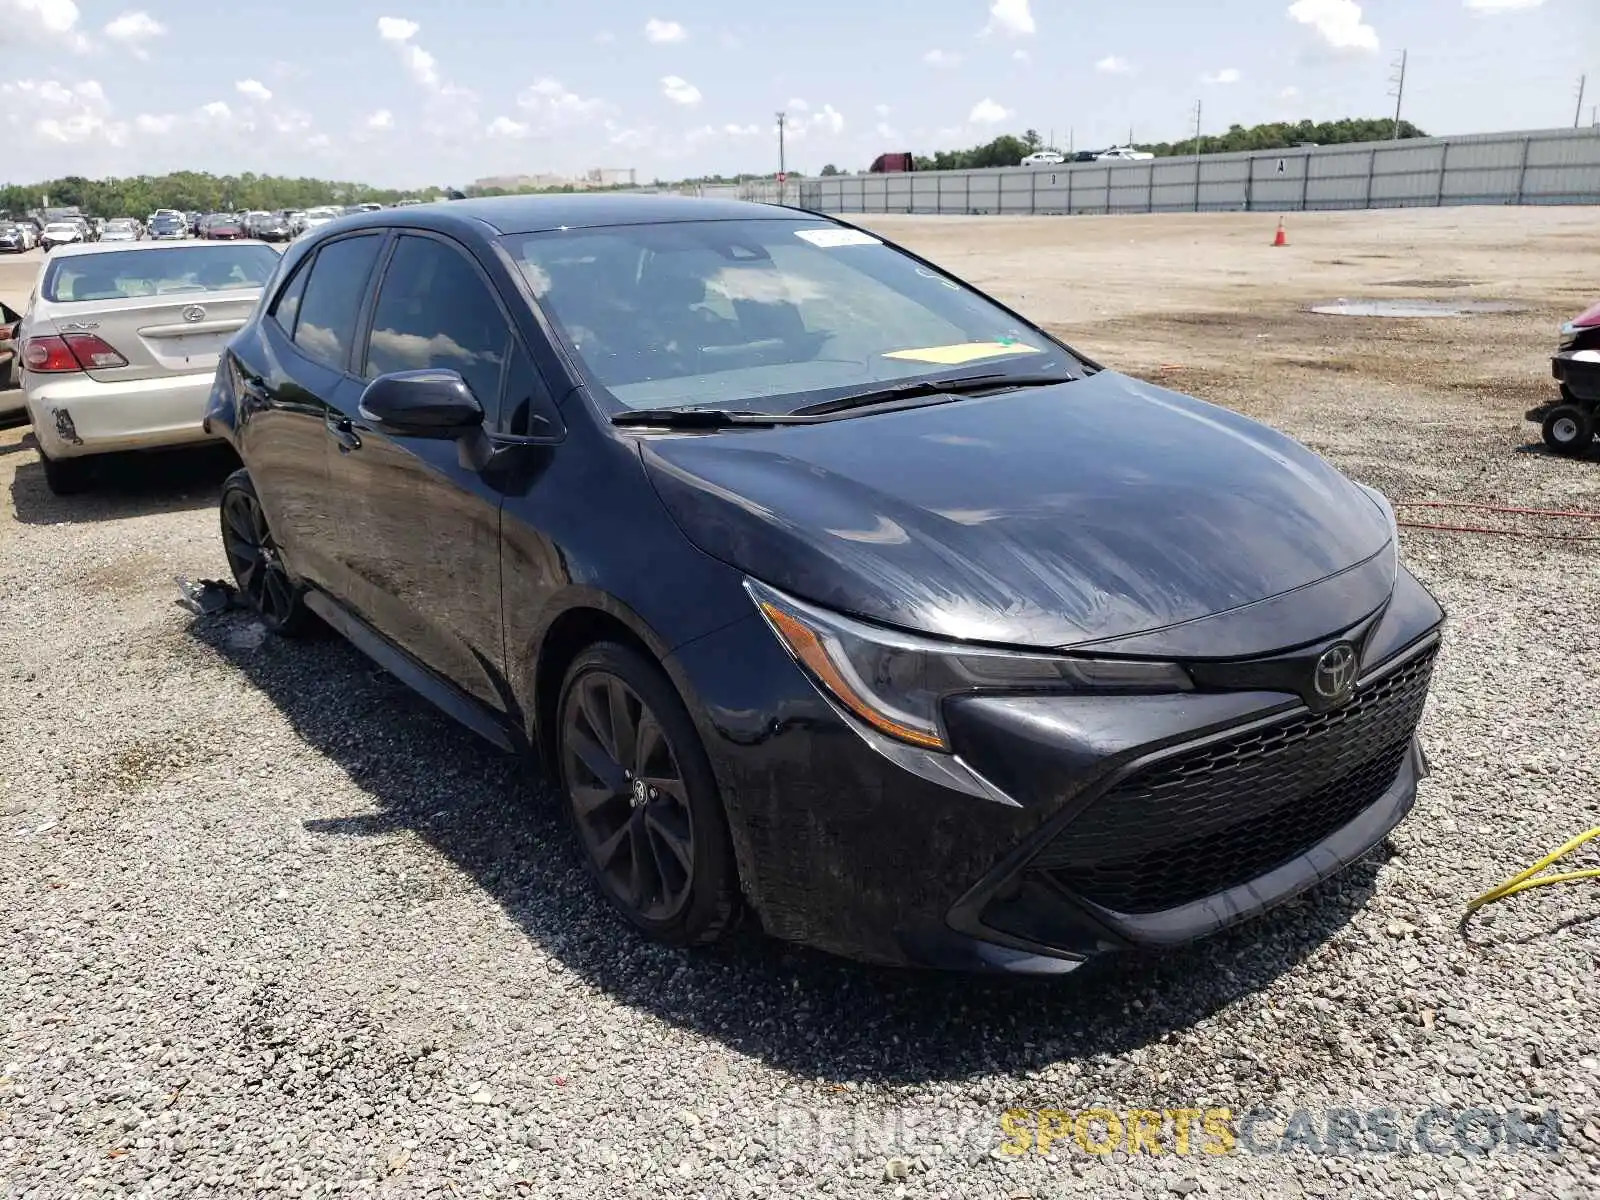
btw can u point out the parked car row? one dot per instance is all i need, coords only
(1053, 158)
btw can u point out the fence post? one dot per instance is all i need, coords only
(1249, 183)
(1522, 170)
(1150, 189)
(1197, 167)
(1305, 181)
(1033, 193)
(1108, 189)
(1069, 190)
(1372, 169)
(1444, 170)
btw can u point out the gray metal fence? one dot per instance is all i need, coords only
(1553, 166)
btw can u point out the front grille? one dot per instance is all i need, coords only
(1221, 814)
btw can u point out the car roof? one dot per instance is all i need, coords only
(73, 250)
(534, 214)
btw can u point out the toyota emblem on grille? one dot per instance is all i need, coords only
(194, 313)
(1335, 672)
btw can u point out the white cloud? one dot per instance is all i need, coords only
(798, 104)
(62, 114)
(1337, 22)
(664, 32)
(828, 119)
(987, 112)
(505, 127)
(397, 29)
(1226, 75)
(1500, 6)
(627, 138)
(423, 67)
(1021, 56)
(217, 110)
(155, 124)
(382, 119)
(882, 110)
(887, 131)
(133, 30)
(554, 106)
(253, 89)
(941, 58)
(1112, 64)
(1289, 93)
(679, 91)
(46, 23)
(1011, 17)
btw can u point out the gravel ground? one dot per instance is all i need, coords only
(270, 925)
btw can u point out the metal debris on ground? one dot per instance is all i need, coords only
(207, 597)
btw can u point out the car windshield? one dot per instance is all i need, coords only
(766, 315)
(156, 272)
(61, 227)
(119, 224)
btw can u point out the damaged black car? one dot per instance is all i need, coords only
(835, 594)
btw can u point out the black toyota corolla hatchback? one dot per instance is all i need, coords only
(829, 589)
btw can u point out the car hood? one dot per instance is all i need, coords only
(1056, 516)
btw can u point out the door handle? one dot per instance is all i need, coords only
(340, 429)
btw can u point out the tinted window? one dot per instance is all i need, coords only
(287, 305)
(332, 299)
(162, 271)
(435, 310)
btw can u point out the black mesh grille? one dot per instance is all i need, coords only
(1227, 812)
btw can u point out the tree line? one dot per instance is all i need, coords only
(1008, 150)
(194, 191)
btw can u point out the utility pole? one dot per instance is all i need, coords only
(1583, 82)
(1196, 129)
(783, 174)
(1398, 81)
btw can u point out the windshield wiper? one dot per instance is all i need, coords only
(695, 418)
(961, 385)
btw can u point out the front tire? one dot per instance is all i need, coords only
(642, 799)
(256, 561)
(1568, 429)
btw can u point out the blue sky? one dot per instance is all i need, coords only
(415, 92)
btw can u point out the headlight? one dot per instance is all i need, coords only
(896, 682)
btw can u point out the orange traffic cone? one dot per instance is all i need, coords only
(1282, 238)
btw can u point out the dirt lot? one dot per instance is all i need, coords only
(267, 922)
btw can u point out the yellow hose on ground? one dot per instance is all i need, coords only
(1524, 880)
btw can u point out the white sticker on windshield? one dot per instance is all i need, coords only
(829, 238)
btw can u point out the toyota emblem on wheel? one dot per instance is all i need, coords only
(194, 313)
(1335, 672)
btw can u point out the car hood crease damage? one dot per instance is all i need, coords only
(1022, 519)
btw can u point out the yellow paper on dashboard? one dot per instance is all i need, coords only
(962, 352)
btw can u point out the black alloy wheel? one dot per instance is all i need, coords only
(257, 563)
(642, 798)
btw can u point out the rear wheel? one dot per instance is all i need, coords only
(1568, 429)
(257, 564)
(66, 476)
(642, 798)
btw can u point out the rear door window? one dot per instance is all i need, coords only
(331, 304)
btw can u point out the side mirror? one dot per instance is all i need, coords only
(431, 403)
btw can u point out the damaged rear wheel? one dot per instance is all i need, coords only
(257, 563)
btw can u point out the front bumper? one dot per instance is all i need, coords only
(1086, 847)
(74, 415)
